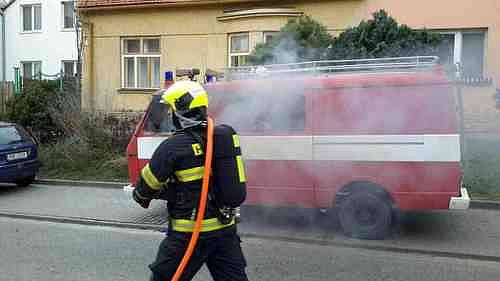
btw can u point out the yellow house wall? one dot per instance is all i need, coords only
(450, 14)
(190, 37)
(480, 112)
(194, 37)
(336, 15)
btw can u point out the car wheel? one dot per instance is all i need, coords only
(25, 181)
(366, 215)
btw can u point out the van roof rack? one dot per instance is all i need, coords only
(329, 66)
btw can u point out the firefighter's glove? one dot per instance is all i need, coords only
(141, 200)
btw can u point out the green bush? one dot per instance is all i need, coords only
(121, 127)
(305, 39)
(481, 166)
(76, 159)
(382, 36)
(32, 108)
(94, 151)
(301, 39)
(3, 116)
(75, 144)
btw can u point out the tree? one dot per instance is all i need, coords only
(32, 108)
(304, 39)
(382, 36)
(301, 39)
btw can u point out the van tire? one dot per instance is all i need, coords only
(25, 181)
(366, 215)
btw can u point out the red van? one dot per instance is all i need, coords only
(367, 137)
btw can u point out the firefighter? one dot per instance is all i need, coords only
(175, 173)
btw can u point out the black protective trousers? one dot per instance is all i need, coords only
(222, 254)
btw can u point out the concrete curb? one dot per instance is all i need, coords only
(485, 204)
(82, 183)
(474, 204)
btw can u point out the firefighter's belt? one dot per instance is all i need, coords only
(207, 225)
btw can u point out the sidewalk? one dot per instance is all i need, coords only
(475, 204)
(81, 201)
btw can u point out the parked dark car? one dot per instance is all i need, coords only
(18, 155)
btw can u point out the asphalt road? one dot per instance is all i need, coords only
(466, 233)
(34, 250)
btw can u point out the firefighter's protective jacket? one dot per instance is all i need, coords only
(178, 165)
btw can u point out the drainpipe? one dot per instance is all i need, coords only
(2, 14)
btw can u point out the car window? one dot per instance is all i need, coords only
(10, 134)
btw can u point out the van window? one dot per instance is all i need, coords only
(262, 111)
(159, 119)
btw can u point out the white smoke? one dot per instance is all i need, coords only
(278, 104)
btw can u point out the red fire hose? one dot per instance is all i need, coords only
(203, 202)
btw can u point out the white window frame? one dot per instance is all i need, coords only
(32, 62)
(21, 18)
(63, 28)
(230, 55)
(74, 66)
(458, 44)
(141, 54)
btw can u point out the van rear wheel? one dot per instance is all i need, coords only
(365, 215)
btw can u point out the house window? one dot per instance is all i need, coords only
(31, 69)
(447, 52)
(68, 12)
(141, 63)
(269, 35)
(472, 54)
(239, 49)
(465, 48)
(31, 17)
(69, 68)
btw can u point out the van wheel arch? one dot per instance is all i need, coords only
(362, 186)
(365, 210)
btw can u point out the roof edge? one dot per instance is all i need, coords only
(161, 5)
(260, 12)
(7, 5)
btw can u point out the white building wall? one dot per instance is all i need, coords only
(1, 54)
(51, 45)
(2, 5)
